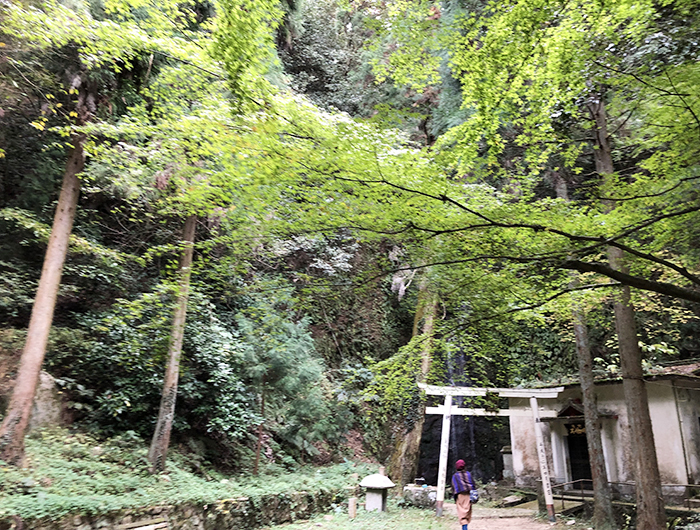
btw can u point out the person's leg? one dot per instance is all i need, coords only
(464, 527)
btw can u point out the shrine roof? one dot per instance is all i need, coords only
(686, 372)
(377, 481)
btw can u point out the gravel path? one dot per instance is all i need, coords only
(503, 519)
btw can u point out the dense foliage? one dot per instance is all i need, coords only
(76, 474)
(363, 149)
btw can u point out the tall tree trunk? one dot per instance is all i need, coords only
(19, 409)
(603, 517)
(651, 514)
(166, 414)
(403, 463)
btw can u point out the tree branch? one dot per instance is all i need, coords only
(638, 78)
(633, 281)
(534, 305)
(650, 195)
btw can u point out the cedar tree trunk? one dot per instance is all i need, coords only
(403, 463)
(166, 414)
(651, 514)
(603, 517)
(20, 407)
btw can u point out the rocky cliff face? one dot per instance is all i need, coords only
(49, 406)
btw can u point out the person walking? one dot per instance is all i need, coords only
(463, 484)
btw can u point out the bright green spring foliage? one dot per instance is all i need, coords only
(533, 62)
(521, 65)
(128, 30)
(171, 106)
(526, 67)
(529, 72)
(197, 128)
(414, 29)
(245, 44)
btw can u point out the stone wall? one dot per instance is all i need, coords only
(228, 514)
(420, 496)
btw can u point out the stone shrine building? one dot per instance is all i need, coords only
(674, 406)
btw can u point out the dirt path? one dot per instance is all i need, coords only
(504, 519)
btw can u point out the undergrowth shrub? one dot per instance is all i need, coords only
(113, 371)
(80, 474)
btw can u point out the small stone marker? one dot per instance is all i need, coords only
(352, 507)
(377, 486)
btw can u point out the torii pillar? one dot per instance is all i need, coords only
(447, 411)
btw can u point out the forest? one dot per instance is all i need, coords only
(244, 230)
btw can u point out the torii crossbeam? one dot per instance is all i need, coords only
(447, 411)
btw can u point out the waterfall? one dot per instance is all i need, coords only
(476, 440)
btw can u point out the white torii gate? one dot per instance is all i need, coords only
(446, 410)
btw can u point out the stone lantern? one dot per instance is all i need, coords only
(377, 486)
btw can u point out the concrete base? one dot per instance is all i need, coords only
(375, 500)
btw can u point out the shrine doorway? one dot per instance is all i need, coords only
(579, 461)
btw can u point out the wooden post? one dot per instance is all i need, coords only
(542, 454)
(444, 453)
(352, 507)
